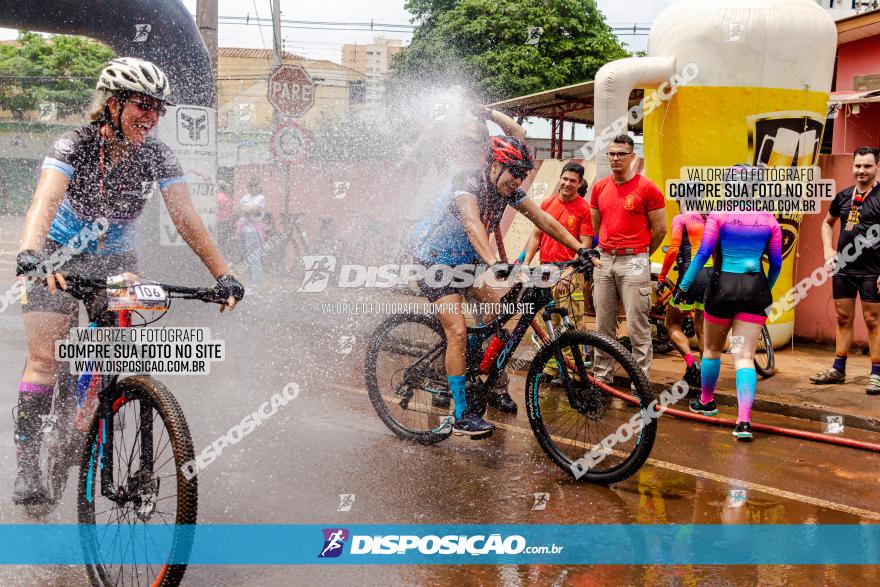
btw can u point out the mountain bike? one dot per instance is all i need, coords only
(131, 439)
(406, 381)
(765, 359)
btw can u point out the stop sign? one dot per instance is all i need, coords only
(291, 90)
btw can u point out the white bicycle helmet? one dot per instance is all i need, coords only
(135, 75)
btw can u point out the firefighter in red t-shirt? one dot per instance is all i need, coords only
(572, 212)
(629, 213)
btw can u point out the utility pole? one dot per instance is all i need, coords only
(206, 20)
(276, 34)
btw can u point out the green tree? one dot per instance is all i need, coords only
(483, 43)
(61, 69)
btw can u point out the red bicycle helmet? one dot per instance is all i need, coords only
(510, 152)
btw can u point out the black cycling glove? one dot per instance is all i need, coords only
(228, 285)
(682, 297)
(501, 270)
(29, 261)
(588, 254)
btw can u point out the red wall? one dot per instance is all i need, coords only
(814, 316)
(851, 131)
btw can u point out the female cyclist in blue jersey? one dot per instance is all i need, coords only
(93, 186)
(736, 298)
(457, 233)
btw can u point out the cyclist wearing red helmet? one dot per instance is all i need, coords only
(457, 233)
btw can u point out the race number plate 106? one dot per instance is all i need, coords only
(149, 293)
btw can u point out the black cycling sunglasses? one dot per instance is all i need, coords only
(149, 106)
(518, 172)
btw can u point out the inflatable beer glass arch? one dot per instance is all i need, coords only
(760, 97)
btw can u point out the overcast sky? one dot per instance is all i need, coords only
(327, 44)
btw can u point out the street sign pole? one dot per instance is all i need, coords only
(292, 93)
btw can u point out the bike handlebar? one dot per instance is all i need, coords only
(80, 286)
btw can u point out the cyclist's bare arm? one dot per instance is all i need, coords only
(596, 218)
(469, 211)
(191, 228)
(828, 237)
(47, 197)
(532, 245)
(546, 223)
(507, 124)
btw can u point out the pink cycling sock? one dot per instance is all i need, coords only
(689, 360)
(35, 388)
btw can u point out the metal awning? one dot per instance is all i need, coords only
(573, 103)
(854, 97)
(567, 104)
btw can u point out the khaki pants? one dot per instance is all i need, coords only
(573, 301)
(625, 278)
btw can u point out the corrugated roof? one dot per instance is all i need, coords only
(574, 102)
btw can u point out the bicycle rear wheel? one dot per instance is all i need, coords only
(571, 419)
(148, 439)
(406, 377)
(765, 359)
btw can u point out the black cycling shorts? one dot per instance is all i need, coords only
(437, 282)
(848, 287)
(101, 266)
(741, 296)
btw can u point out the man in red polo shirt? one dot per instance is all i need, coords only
(572, 212)
(629, 215)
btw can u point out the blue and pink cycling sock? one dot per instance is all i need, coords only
(457, 387)
(709, 371)
(746, 383)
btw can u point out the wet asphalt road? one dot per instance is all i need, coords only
(329, 441)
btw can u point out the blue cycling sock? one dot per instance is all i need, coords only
(709, 371)
(457, 386)
(746, 383)
(839, 363)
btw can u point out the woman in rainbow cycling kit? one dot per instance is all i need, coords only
(737, 298)
(94, 184)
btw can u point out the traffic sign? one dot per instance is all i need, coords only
(289, 142)
(291, 90)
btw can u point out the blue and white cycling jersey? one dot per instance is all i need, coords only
(441, 237)
(128, 184)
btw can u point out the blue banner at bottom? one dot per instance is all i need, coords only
(358, 544)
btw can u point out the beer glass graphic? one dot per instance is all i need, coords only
(789, 148)
(760, 97)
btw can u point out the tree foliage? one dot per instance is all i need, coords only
(61, 69)
(483, 43)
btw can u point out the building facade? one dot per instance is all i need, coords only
(374, 61)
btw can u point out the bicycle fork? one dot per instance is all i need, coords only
(574, 399)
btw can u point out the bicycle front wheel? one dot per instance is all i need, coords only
(590, 402)
(406, 377)
(140, 447)
(765, 360)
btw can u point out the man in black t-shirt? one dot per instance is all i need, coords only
(858, 208)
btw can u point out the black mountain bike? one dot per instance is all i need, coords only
(406, 381)
(130, 455)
